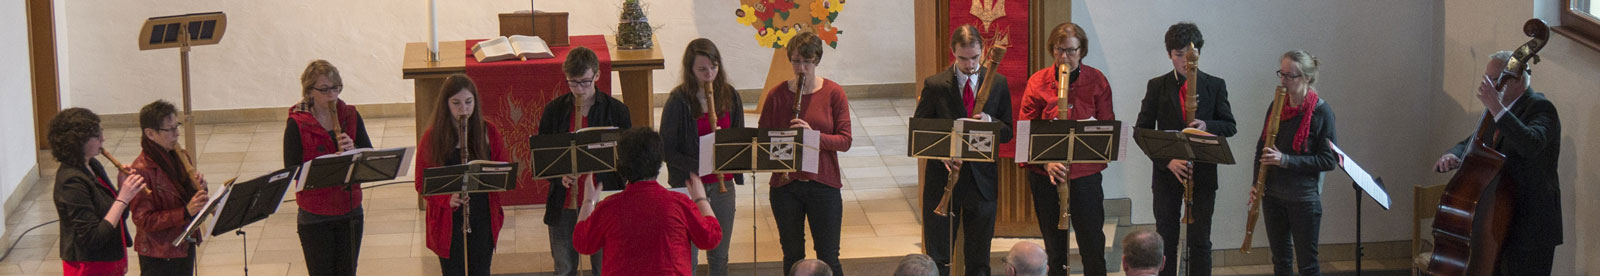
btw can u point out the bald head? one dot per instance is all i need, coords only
(811, 267)
(1026, 259)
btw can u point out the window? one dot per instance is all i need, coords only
(1578, 22)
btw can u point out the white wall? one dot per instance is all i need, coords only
(1379, 60)
(16, 98)
(269, 42)
(1473, 29)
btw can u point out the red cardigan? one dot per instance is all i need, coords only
(439, 223)
(828, 112)
(1090, 96)
(646, 230)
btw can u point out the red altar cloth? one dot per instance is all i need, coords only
(513, 93)
(1015, 64)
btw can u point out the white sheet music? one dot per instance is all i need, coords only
(1361, 177)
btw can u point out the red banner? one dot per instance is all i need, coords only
(513, 93)
(1009, 18)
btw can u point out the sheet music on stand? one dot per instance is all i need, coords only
(590, 150)
(963, 139)
(354, 167)
(1069, 141)
(759, 150)
(1173, 144)
(242, 203)
(1370, 185)
(478, 176)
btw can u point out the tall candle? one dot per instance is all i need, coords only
(433, 31)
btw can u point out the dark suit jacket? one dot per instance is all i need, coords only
(1162, 110)
(1530, 137)
(557, 118)
(941, 99)
(680, 135)
(81, 205)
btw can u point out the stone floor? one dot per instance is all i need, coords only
(878, 221)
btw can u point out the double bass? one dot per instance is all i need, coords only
(1474, 215)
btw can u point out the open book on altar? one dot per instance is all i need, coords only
(511, 47)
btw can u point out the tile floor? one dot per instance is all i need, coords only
(880, 183)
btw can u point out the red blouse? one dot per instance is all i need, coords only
(1090, 96)
(828, 112)
(646, 230)
(704, 127)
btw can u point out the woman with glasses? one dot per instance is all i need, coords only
(802, 198)
(583, 107)
(330, 219)
(685, 117)
(93, 213)
(1089, 98)
(175, 197)
(1292, 202)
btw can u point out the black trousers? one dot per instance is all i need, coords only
(977, 227)
(1168, 207)
(1088, 216)
(1526, 260)
(479, 248)
(1292, 230)
(332, 247)
(167, 266)
(801, 202)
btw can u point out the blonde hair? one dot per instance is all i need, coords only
(318, 68)
(1306, 62)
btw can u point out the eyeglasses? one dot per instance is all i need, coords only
(1284, 75)
(173, 129)
(1059, 50)
(329, 89)
(580, 83)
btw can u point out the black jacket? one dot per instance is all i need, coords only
(82, 204)
(1298, 177)
(941, 99)
(680, 136)
(557, 118)
(1530, 137)
(1161, 110)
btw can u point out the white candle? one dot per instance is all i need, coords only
(433, 31)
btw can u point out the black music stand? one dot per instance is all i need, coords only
(354, 167)
(1172, 144)
(241, 204)
(1364, 183)
(183, 31)
(590, 150)
(478, 176)
(751, 150)
(1068, 141)
(938, 140)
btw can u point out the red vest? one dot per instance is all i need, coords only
(316, 141)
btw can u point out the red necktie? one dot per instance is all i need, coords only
(967, 96)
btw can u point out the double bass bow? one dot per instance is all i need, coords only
(1474, 215)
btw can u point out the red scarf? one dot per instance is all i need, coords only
(1302, 110)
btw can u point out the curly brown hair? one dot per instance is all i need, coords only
(69, 130)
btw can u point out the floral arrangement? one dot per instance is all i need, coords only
(775, 23)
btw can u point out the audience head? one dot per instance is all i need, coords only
(75, 136)
(811, 267)
(642, 146)
(916, 265)
(320, 83)
(1142, 253)
(1026, 259)
(805, 52)
(159, 120)
(966, 43)
(1179, 36)
(582, 70)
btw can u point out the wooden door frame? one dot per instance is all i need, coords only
(43, 64)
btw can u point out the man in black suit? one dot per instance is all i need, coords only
(951, 95)
(1527, 130)
(1162, 109)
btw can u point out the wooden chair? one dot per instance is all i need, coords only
(1425, 203)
